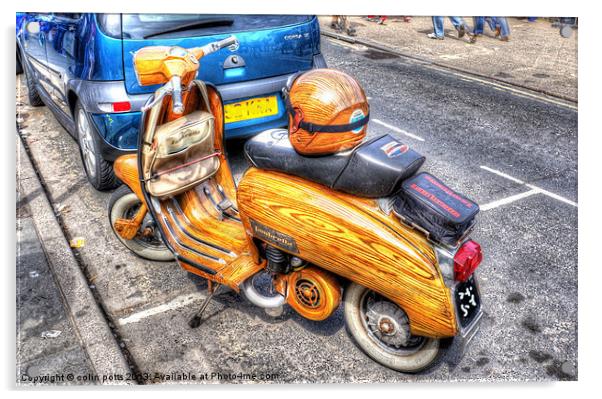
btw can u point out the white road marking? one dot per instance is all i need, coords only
(534, 189)
(497, 172)
(552, 195)
(507, 200)
(398, 130)
(178, 302)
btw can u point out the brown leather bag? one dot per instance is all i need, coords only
(182, 153)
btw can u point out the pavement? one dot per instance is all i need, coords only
(536, 57)
(512, 151)
(48, 347)
(63, 337)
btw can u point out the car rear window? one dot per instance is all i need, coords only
(146, 26)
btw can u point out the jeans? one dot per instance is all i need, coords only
(479, 24)
(438, 24)
(502, 22)
(493, 22)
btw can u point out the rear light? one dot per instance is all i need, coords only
(466, 260)
(122, 106)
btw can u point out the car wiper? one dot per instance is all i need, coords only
(205, 23)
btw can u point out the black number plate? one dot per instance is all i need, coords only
(468, 301)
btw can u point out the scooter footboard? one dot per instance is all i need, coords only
(320, 226)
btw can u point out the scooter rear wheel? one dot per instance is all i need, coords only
(124, 204)
(381, 329)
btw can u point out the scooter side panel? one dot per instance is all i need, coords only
(346, 238)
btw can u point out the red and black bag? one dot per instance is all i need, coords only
(426, 202)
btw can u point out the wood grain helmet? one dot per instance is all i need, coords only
(328, 112)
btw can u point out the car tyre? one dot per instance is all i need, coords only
(32, 93)
(19, 65)
(98, 170)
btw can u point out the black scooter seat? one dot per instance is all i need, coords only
(373, 169)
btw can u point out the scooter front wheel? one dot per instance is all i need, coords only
(381, 329)
(124, 204)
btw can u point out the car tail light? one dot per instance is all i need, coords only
(122, 106)
(466, 260)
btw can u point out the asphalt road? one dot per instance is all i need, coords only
(491, 144)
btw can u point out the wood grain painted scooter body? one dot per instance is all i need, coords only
(346, 235)
(338, 237)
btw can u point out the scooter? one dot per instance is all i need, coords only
(404, 295)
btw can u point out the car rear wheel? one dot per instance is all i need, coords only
(32, 93)
(19, 65)
(99, 171)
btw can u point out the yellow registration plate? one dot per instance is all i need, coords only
(252, 108)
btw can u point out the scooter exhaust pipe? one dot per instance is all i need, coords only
(258, 299)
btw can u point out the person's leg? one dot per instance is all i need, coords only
(347, 25)
(494, 24)
(437, 28)
(457, 22)
(479, 24)
(490, 22)
(334, 21)
(504, 28)
(460, 25)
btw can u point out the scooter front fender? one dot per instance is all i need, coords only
(352, 238)
(126, 169)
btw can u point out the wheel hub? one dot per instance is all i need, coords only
(389, 324)
(386, 326)
(85, 139)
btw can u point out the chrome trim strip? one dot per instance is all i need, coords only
(188, 248)
(184, 230)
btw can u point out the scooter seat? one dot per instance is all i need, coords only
(373, 169)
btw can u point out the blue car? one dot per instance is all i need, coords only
(81, 67)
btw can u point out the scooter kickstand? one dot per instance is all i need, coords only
(197, 318)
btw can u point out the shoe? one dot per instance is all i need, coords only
(505, 38)
(498, 31)
(473, 37)
(433, 36)
(381, 21)
(462, 31)
(351, 31)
